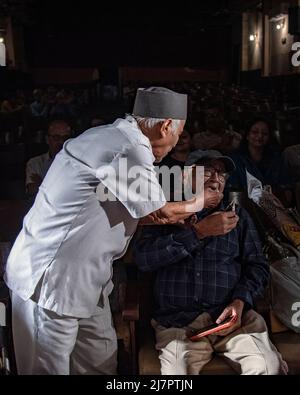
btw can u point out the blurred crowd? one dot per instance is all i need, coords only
(255, 129)
(24, 115)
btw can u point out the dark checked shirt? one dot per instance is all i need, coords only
(193, 276)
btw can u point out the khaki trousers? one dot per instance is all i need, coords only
(52, 344)
(248, 349)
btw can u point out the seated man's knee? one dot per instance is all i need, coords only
(274, 363)
(267, 364)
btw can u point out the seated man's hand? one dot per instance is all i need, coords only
(234, 311)
(216, 224)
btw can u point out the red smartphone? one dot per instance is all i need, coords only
(210, 329)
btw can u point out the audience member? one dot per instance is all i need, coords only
(176, 157)
(260, 156)
(37, 167)
(179, 154)
(39, 107)
(63, 107)
(11, 104)
(217, 135)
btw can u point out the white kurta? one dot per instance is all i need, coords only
(70, 238)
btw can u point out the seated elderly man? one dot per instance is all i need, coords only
(206, 273)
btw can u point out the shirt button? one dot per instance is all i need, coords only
(196, 299)
(197, 274)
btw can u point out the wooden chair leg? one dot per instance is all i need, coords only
(132, 325)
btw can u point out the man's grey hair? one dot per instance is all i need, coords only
(150, 123)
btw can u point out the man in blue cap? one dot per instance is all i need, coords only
(207, 273)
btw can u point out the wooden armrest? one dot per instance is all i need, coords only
(131, 307)
(262, 306)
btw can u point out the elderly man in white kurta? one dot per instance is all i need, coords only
(60, 267)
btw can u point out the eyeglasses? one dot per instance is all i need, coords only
(57, 137)
(210, 171)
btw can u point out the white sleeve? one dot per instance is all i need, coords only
(131, 178)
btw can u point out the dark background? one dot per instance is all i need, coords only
(93, 33)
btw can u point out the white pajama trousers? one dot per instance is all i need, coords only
(248, 349)
(52, 344)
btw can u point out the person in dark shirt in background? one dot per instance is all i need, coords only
(176, 158)
(206, 273)
(181, 151)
